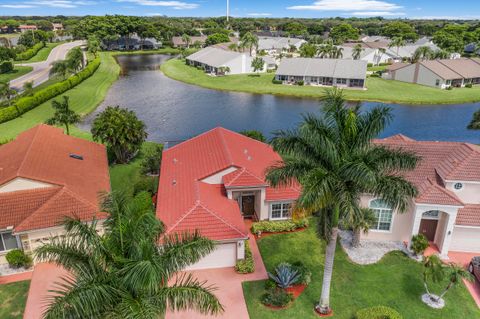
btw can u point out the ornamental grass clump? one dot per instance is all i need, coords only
(285, 275)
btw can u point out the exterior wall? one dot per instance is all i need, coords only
(466, 239)
(405, 74)
(427, 77)
(317, 81)
(217, 177)
(470, 192)
(441, 230)
(400, 229)
(21, 183)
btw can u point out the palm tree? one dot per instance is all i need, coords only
(60, 68)
(250, 41)
(28, 88)
(357, 51)
(337, 53)
(63, 114)
(422, 53)
(397, 42)
(441, 54)
(360, 222)
(186, 39)
(8, 93)
(335, 162)
(475, 123)
(124, 273)
(75, 59)
(382, 51)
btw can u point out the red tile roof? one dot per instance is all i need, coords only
(469, 215)
(42, 154)
(432, 193)
(185, 202)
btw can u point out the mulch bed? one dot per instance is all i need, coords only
(296, 291)
(277, 233)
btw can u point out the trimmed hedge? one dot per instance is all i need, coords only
(28, 103)
(6, 66)
(378, 312)
(17, 258)
(30, 53)
(267, 226)
(247, 265)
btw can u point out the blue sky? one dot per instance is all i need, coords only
(254, 8)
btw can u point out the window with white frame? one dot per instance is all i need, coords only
(280, 210)
(383, 215)
(7, 242)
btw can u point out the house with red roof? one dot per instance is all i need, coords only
(46, 175)
(447, 208)
(211, 182)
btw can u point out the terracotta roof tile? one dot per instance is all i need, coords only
(242, 177)
(469, 216)
(432, 193)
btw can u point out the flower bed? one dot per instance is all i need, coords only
(247, 265)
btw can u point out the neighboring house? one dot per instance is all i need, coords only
(375, 38)
(211, 182)
(216, 61)
(472, 48)
(276, 45)
(447, 208)
(25, 27)
(57, 27)
(324, 72)
(46, 175)
(132, 43)
(437, 73)
(179, 43)
(373, 56)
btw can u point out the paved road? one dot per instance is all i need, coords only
(41, 70)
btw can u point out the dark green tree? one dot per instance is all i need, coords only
(63, 114)
(256, 135)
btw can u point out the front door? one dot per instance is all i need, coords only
(248, 206)
(428, 227)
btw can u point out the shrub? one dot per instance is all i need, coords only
(285, 275)
(378, 312)
(449, 88)
(419, 244)
(145, 184)
(151, 160)
(469, 85)
(267, 226)
(17, 258)
(276, 297)
(246, 265)
(30, 53)
(369, 65)
(304, 274)
(275, 81)
(270, 284)
(6, 66)
(300, 83)
(28, 103)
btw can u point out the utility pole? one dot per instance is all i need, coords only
(228, 10)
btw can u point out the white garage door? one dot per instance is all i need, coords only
(465, 239)
(224, 255)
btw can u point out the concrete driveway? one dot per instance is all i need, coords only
(464, 259)
(41, 70)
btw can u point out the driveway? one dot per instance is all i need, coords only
(229, 284)
(41, 70)
(464, 259)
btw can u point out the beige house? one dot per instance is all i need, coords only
(46, 175)
(447, 208)
(437, 73)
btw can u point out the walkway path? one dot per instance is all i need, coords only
(6, 279)
(41, 70)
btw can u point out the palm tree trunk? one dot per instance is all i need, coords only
(68, 129)
(356, 238)
(445, 291)
(324, 305)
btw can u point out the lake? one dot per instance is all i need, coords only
(175, 111)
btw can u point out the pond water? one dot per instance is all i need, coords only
(175, 111)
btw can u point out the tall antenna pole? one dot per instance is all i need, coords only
(228, 10)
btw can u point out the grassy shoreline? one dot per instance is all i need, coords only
(84, 98)
(379, 90)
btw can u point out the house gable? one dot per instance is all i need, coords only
(20, 183)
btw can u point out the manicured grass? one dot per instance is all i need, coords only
(42, 55)
(84, 98)
(395, 281)
(13, 298)
(17, 72)
(377, 68)
(378, 89)
(124, 176)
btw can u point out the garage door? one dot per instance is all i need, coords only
(224, 255)
(465, 239)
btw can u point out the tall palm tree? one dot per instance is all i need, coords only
(335, 162)
(186, 39)
(357, 51)
(423, 53)
(123, 273)
(249, 40)
(397, 42)
(337, 53)
(475, 123)
(60, 68)
(63, 114)
(441, 54)
(75, 59)
(28, 88)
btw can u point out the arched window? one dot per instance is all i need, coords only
(383, 215)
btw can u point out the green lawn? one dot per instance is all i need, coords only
(377, 68)
(395, 282)
(378, 89)
(42, 54)
(13, 298)
(18, 71)
(84, 98)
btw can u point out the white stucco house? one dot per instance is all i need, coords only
(276, 45)
(447, 208)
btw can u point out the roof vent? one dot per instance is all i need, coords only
(175, 160)
(77, 157)
(174, 182)
(249, 158)
(245, 151)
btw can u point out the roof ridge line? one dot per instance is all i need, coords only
(448, 193)
(225, 148)
(28, 150)
(440, 61)
(221, 218)
(239, 172)
(188, 212)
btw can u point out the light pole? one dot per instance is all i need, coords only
(228, 9)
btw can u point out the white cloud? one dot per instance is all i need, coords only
(348, 5)
(17, 6)
(446, 18)
(179, 5)
(255, 14)
(377, 14)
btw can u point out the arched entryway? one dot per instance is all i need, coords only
(429, 224)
